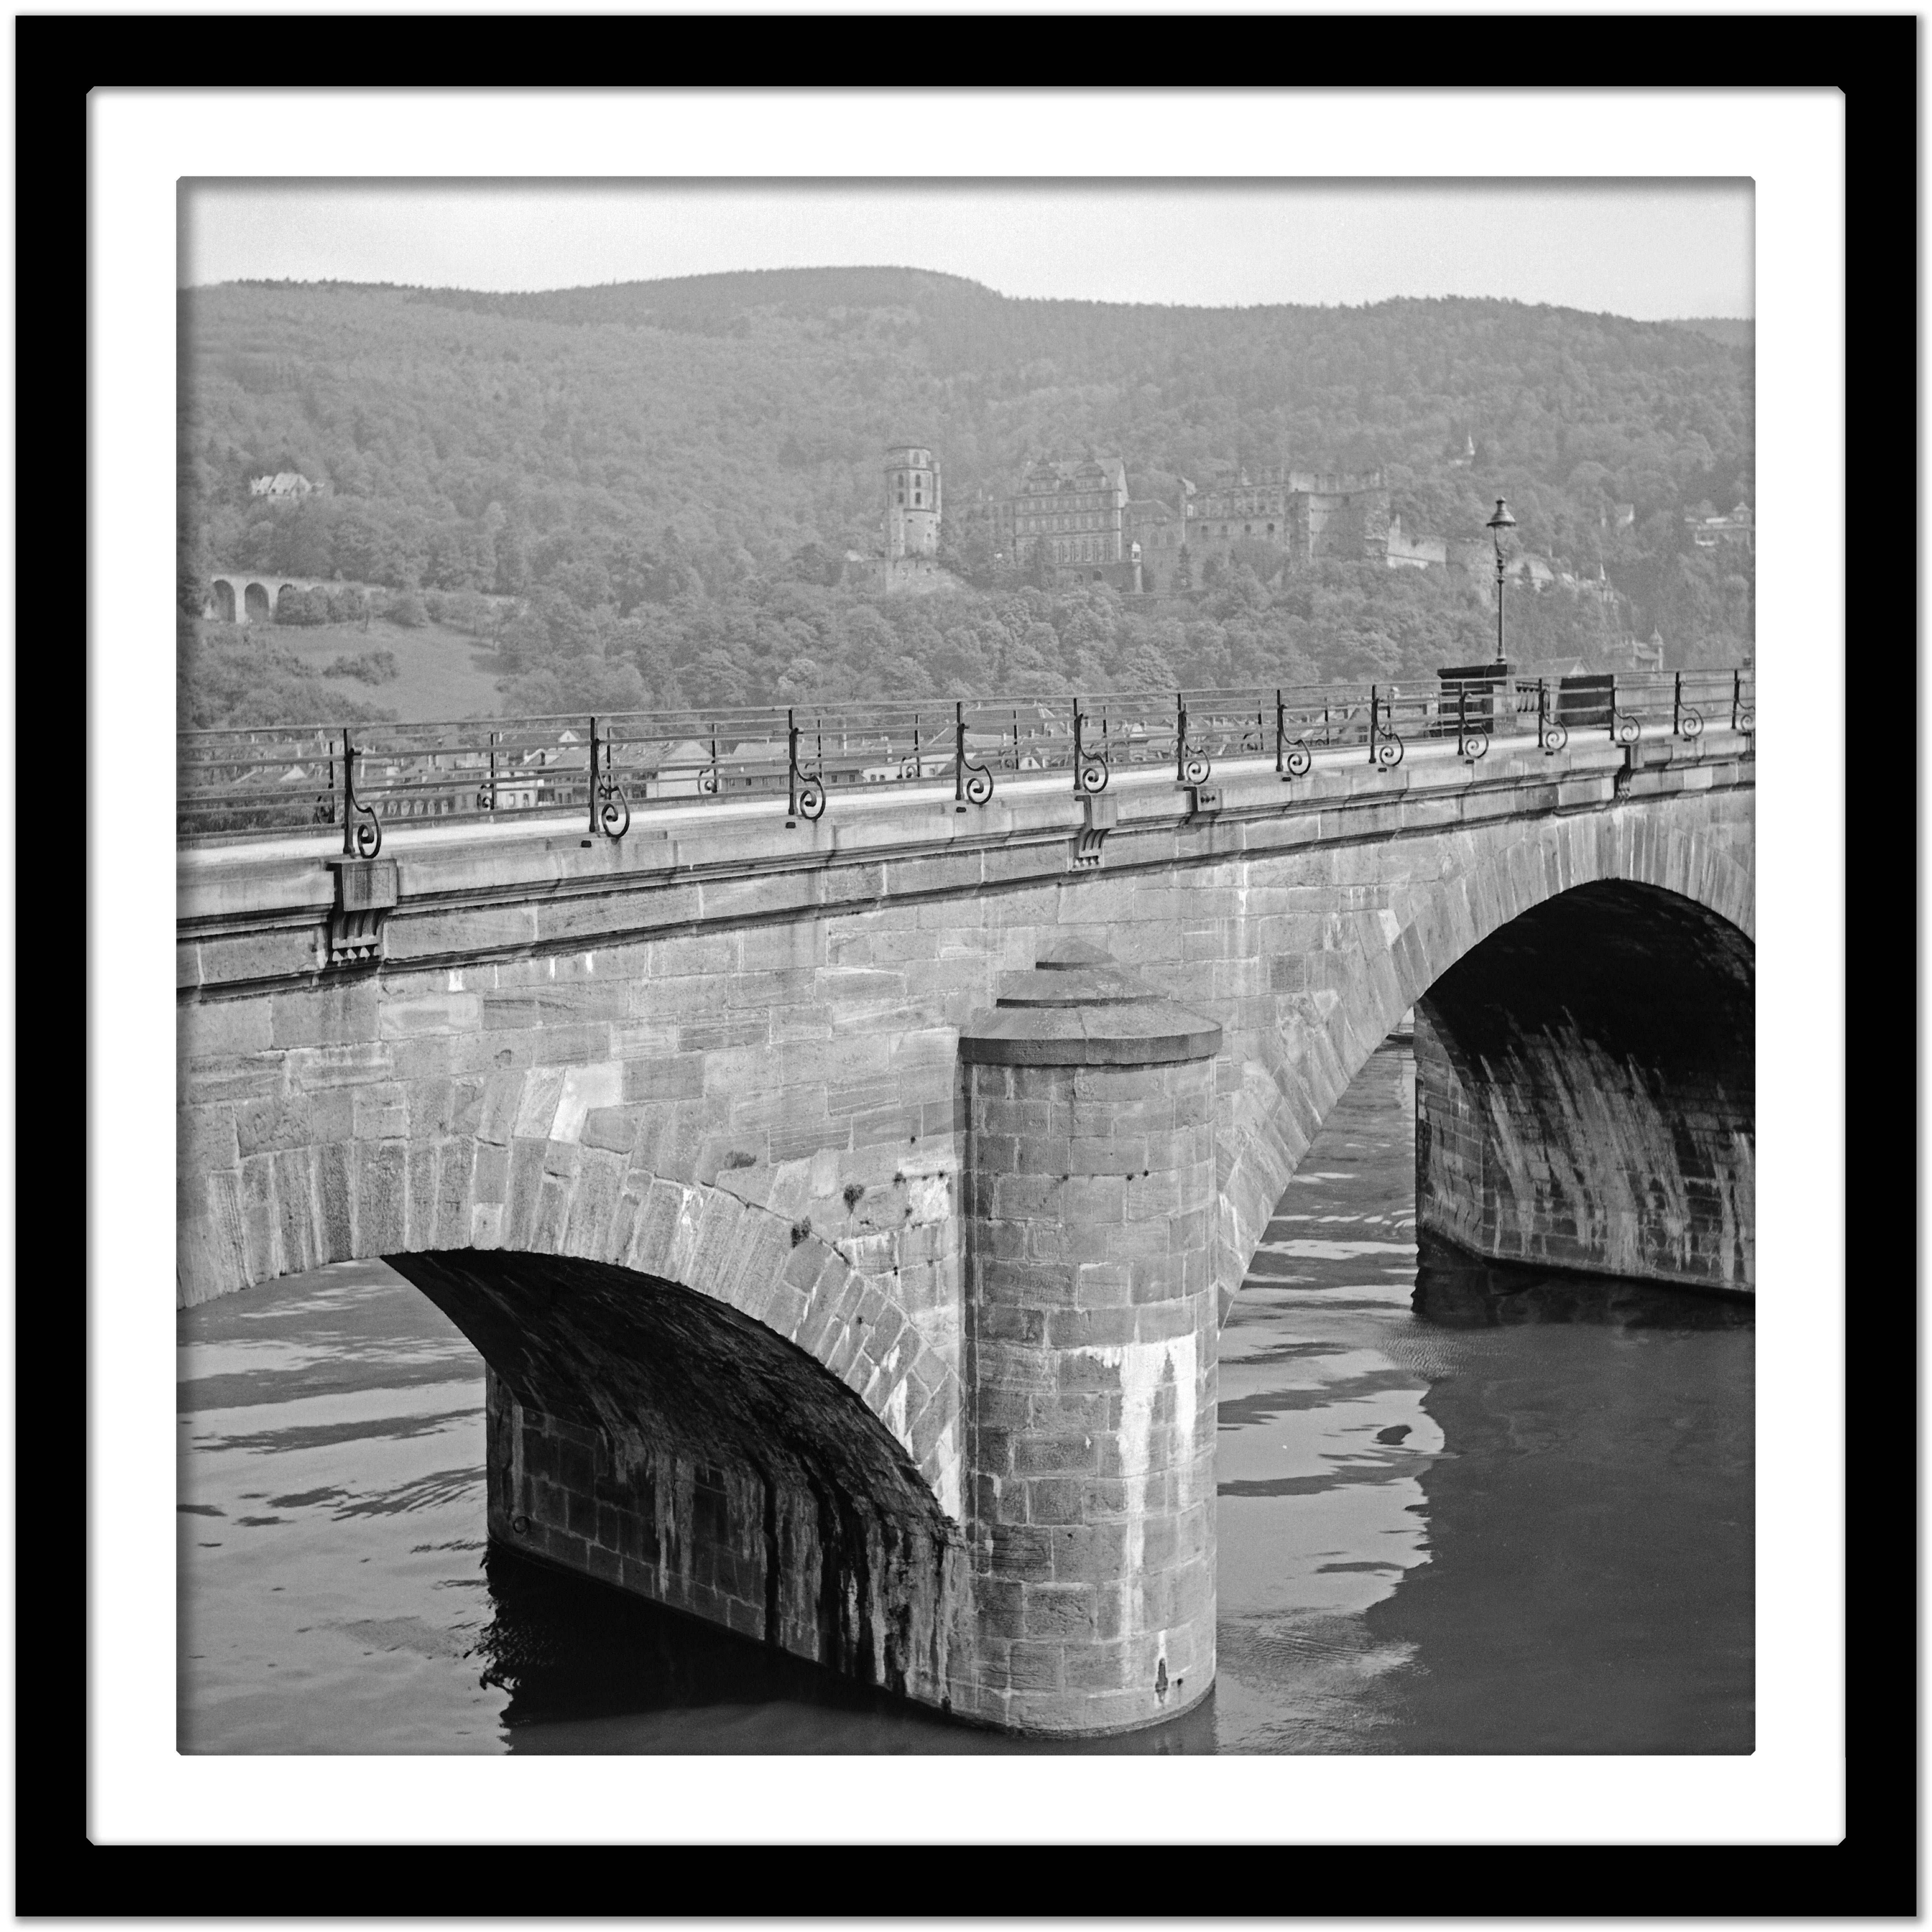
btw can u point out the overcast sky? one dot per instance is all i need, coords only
(1646, 249)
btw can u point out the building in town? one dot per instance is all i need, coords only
(1739, 527)
(286, 486)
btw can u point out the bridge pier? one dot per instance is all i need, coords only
(1585, 1092)
(1091, 1334)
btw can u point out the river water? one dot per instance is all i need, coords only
(1461, 1510)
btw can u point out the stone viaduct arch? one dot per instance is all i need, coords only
(690, 1107)
(253, 596)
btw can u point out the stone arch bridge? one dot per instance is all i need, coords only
(255, 596)
(846, 1211)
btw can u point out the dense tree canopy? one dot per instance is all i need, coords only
(666, 477)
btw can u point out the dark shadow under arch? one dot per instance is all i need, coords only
(662, 1441)
(1586, 1090)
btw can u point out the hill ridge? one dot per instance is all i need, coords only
(706, 443)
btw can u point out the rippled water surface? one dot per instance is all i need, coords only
(1461, 1511)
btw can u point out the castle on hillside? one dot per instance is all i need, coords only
(1311, 515)
(1079, 518)
(907, 559)
(1075, 515)
(912, 501)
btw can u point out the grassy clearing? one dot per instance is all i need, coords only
(442, 674)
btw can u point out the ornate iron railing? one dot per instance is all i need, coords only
(359, 779)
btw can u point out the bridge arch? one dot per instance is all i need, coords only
(258, 602)
(656, 1438)
(392, 1200)
(221, 600)
(1289, 1065)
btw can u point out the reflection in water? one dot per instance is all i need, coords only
(1453, 1292)
(1590, 1585)
(1462, 1509)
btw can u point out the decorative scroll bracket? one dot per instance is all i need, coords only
(972, 783)
(1102, 815)
(365, 890)
(806, 795)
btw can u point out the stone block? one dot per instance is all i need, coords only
(572, 1045)
(296, 1205)
(431, 1108)
(451, 1219)
(258, 958)
(421, 1196)
(1054, 1456)
(598, 1084)
(525, 1184)
(538, 1095)
(210, 1080)
(335, 1167)
(600, 1179)
(1054, 1499)
(224, 1029)
(206, 1138)
(314, 1068)
(1064, 1612)
(381, 1188)
(682, 1077)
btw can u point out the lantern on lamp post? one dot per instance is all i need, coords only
(1501, 521)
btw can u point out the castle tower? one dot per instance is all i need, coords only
(912, 501)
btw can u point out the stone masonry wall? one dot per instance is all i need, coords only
(1093, 1374)
(598, 1095)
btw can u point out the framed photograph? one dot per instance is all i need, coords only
(965, 966)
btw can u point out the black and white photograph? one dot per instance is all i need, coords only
(985, 984)
(964, 886)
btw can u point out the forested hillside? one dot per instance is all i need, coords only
(666, 475)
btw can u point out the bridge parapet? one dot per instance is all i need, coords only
(251, 913)
(262, 780)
